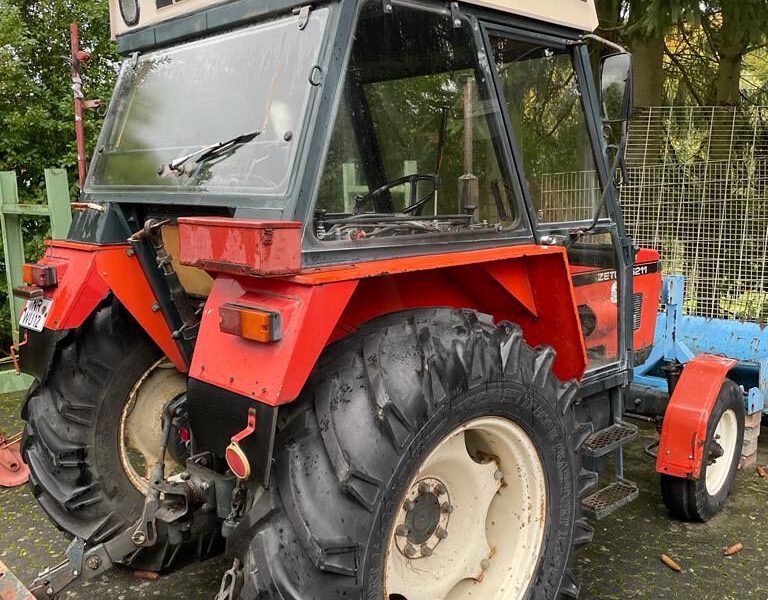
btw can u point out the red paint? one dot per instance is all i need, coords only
(77, 58)
(10, 587)
(259, 248)
(600, 297)
(13, 471)
(272, 373)
(528, 285)
(409, 264)
(649, 285)
(86, 273)
(684, 433)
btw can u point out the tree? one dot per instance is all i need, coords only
(734, 28)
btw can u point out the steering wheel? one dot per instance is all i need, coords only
(416, 203)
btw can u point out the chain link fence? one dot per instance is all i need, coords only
(697, 190)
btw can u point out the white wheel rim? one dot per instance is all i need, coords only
(484, 541)
(141, 423)
(726, 434)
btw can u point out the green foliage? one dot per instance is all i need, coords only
(36, 113)
(655, 17)
(700, 46)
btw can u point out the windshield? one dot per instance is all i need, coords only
(179, 101)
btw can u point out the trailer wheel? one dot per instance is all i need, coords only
(703, 498)
(432, 455)
(91, 428)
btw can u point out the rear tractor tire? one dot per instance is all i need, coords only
(94, 430)
(431, 456)
(701, 499)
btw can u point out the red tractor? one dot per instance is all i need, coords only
(372, 344)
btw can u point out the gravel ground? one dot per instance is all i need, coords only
(622, 562)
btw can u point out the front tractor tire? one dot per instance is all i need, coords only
(88, 424)
(432, 455)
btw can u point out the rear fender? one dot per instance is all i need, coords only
(87, 273)
(684, 432)
(527, 285)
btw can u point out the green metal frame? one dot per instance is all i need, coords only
(58, 210)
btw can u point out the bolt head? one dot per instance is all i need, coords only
(93, 563)
(408, 505)
(138, 538)
(485, 564)
(498, 475)
(410, 551)
(441, 533)
(426, 550)
(401, 530)
(423, 487)
(440, 489)
(446, 508)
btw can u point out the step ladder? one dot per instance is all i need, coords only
(620, 491)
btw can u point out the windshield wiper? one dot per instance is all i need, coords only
(207, 153)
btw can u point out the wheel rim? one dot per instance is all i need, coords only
(726, 435)
(141, 423)
(472, 522)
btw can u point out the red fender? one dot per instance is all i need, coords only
(684, 432)
(528, 285)
(87, 272)
(272, 373)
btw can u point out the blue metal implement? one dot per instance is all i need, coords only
(681, 337)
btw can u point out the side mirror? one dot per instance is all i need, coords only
(616, 87)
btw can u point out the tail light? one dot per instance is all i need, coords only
(250, 323)
(44, 276)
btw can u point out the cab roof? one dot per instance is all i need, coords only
(574, 14)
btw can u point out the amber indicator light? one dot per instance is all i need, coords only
(251, 323)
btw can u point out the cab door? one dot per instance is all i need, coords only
(542, 84)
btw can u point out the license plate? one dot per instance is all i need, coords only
(35, 313)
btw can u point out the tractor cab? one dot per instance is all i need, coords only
(386, 129)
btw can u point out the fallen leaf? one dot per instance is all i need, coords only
(148, 575)
(671, 563)
(734, 549)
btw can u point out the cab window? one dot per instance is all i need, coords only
(545, 108)
(413, 150)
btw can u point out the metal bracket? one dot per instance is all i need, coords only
(145, 533)
(455, 15)
(303, 14)
(229, 582)
(82, 563)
